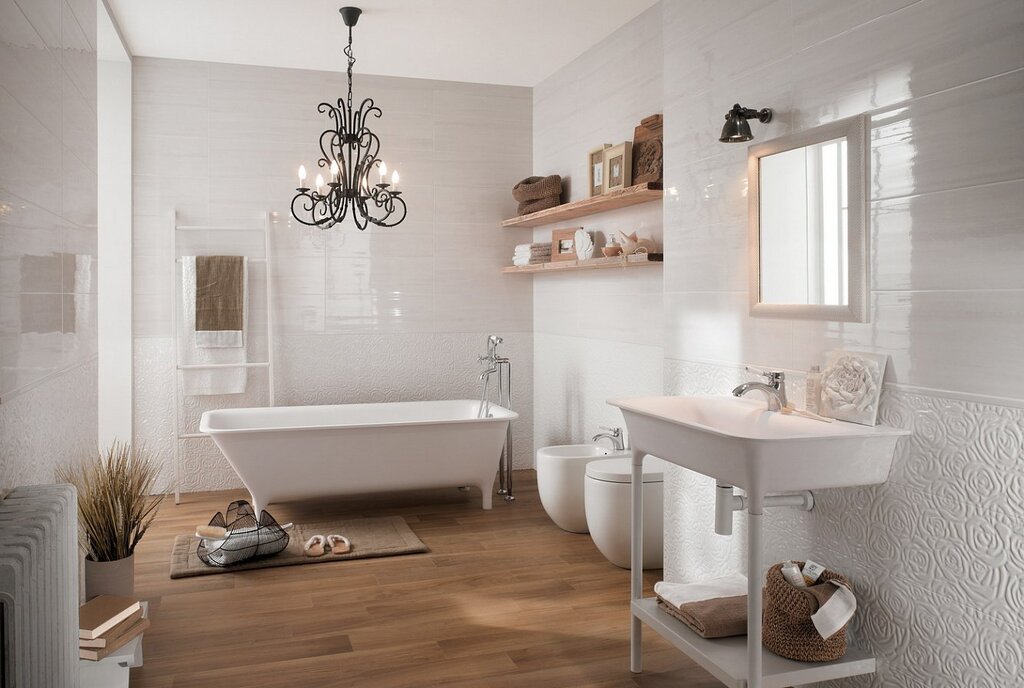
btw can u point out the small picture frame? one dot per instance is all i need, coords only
(595, 165)
(618, 166)
(563, 244)
(851, 386)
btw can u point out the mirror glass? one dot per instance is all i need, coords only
(808, 234)
(804, 231)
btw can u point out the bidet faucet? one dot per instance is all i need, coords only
(774, 390)
(613, 434)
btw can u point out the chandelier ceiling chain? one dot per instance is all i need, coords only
(349, 154)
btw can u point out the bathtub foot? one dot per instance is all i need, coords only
(486, 492)
(464, 488)
(257, 504)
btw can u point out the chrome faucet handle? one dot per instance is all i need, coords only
(614, 431)
(775, 377)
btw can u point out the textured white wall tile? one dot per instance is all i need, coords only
(935, 554)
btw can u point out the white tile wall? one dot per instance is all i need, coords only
(359, 316)
(945, 305)
(945, 223)
(47, 236)
(597, 334)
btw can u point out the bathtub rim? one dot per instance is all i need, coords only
(507, 415)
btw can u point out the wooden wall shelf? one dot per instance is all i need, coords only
(613, 200)
(617, 262)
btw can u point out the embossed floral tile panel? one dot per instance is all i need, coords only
(936, 554)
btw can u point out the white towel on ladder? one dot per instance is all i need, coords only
(211, 347)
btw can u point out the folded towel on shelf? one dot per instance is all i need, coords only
(721, 617)
(678, 594)
(211, 346)
(533, 249)
(536, 260)
(715, 608)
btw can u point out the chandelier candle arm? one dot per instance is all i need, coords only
(349, 150)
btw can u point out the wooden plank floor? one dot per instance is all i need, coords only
(504, 598)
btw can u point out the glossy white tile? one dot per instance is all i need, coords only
(966, 341)
(875, 65)
(969, 238)
(78, 124)
(716, 326)
(77, 190)
(377, 276)
(78, 56)
(29, 69)
(30, 164)
(944, 141)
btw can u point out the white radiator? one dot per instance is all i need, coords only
(39, 587)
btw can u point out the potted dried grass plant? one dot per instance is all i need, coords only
(115, 508)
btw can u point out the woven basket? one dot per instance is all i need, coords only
(786, 626)
(537, 188)
(535, 206)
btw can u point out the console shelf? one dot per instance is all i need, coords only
(621, 198)
(726, 658)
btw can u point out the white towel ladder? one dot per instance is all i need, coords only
(175, 318)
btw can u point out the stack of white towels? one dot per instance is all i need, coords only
(532, 254)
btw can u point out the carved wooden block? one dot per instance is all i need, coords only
(648, 150)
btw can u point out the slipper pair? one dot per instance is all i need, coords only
(318, 545)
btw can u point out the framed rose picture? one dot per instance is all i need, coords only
(618, 166)
(595, 163)
(563, 244)
(851, 386)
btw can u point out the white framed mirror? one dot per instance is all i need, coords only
(808, 229)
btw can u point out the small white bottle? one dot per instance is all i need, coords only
(812, 400)
(791, 572)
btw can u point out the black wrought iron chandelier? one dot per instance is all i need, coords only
(349, 151)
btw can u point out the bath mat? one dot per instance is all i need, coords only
(371, 537)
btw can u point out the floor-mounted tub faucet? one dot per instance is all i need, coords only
(500, 366)
(775, 389)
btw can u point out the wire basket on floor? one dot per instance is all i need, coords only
(247, 537)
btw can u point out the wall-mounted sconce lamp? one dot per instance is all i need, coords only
(736, 129)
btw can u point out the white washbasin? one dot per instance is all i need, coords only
(739, 442)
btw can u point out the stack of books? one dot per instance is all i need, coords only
(107, 623)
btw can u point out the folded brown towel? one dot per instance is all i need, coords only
(718, 618)
(220, 294)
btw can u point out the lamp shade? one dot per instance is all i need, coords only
(736, 129)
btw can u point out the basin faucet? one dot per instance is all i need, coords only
(774, 389)
(613, 434)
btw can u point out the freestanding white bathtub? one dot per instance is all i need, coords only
(289, 453)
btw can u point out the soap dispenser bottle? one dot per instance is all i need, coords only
(812, 400)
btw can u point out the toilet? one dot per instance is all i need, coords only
(607, 502)
(560, 476)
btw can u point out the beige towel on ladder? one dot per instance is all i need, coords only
(212, 346)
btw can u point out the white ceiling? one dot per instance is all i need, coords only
(514, 42)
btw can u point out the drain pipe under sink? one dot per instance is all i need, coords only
(726, 502)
